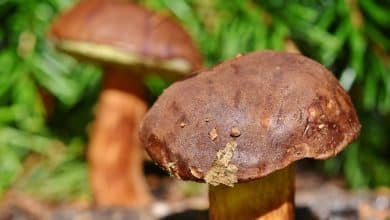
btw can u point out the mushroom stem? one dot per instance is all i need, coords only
(271, 197)
(48, 101)
(115, 154)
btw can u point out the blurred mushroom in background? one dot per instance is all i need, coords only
(241, 125)
(130, 42)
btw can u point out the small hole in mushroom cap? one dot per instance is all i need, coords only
(312, 112)
(235, 132)
(196, 172)
(213, 134)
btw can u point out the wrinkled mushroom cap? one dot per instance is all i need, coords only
(121, 32)
(249, 117)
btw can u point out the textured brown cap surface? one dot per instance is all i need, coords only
(248, 117)
(128, 28)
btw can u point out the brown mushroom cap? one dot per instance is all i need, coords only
(122, 32)
(249, 117)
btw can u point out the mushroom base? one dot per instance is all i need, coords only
(271, 197)
(115, 153)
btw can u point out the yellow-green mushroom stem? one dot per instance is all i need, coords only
(271, 197)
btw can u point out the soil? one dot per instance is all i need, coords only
(316, 197)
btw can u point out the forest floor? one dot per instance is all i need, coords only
(316, 197)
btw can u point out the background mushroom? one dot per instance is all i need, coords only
(130, 42)
(240, 125)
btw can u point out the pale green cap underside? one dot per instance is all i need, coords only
(114, 55)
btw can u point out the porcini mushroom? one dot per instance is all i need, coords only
(130, 42)
(246, 121)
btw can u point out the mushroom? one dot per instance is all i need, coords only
(264, 110)
(130, 42)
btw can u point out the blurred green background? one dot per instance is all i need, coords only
(43, 153)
